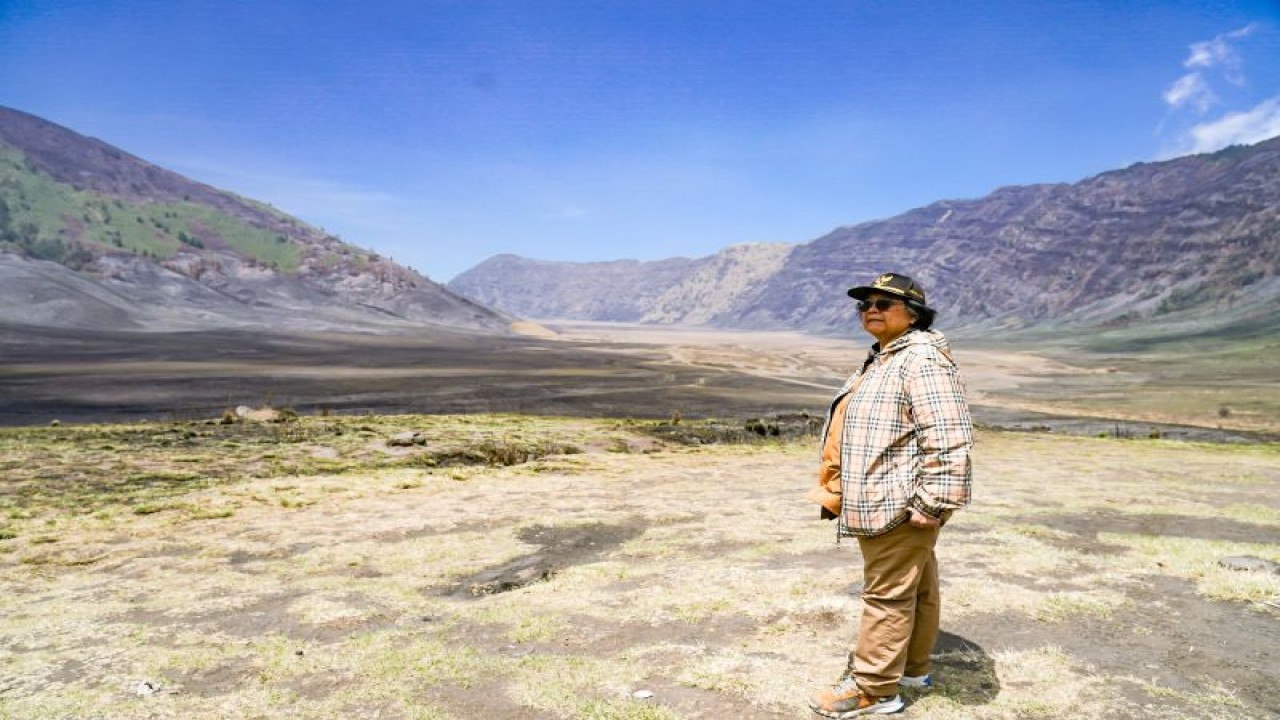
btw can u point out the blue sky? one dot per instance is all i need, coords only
(440, 133)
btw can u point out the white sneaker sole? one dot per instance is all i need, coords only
(887, 707)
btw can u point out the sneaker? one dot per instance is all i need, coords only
(845, 700)
(916, 681)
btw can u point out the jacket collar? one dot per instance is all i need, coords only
(896, 344)
(913, 337)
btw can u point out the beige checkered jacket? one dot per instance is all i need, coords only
(906, 437)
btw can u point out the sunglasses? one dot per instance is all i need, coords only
(881, 304)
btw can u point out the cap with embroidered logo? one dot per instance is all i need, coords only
(891, 284)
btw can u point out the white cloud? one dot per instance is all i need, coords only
(1238, 128)
(1218, 56)
(1218, 51)
(1207, 54)
(1210, 64)
(1191, 89)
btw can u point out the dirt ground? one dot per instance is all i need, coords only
(648, 581)
(182, 568)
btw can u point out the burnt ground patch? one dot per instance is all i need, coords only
(965, 670)
(560, 547)
(1086, 527)
(1166, 645)
(82, 376)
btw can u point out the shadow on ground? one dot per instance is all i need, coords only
(964, 671)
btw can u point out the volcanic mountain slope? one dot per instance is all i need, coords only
(678, 290)
(91, 236)
(1178, 241)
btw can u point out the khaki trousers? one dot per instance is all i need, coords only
(901, 608)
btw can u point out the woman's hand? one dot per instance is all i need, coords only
(917, 519)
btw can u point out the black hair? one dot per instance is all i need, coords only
(924, 315)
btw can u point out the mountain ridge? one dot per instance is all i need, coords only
(1170, 241)
(131, 243)
(91, 235)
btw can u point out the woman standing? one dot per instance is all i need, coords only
(896, 449)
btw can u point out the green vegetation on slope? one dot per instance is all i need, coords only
(52, 221)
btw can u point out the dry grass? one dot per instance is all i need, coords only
(312, 572)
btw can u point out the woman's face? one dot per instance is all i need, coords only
(886, 324)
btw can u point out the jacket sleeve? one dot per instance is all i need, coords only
(944, 435)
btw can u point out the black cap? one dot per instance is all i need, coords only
(891, 284)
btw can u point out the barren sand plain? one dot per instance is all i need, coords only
(179, 570)
(576, 369)
(563, 559)
(1009, 387)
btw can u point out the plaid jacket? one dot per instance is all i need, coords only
(906, 437)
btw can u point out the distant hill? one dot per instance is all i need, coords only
(91, 236)
(678, 290)
(1193, 241)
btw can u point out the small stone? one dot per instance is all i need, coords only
(406, 439)
(145, 688)
(642, 694)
